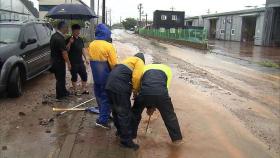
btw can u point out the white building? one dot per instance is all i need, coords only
(17, 10)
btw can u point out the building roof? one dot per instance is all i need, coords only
(272, 3)
(30, 7)
(168, 11)
(247, 11)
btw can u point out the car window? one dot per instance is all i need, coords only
(41, 31)
(29, 33)
(9, 33)
(49, 28)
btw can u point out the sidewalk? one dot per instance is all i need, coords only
(84, 140)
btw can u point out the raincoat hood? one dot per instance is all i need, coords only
(141, 56)
(102, 32)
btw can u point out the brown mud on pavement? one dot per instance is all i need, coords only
(251, 95)
(23, 132)
(225, 110)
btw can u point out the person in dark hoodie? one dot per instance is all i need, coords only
(122, 81)
(103, 58)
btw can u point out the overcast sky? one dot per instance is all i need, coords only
(128, 8)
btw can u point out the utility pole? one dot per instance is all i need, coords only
(92, 26)
(146, 19)
(103, 11)
(110, 18)
(106, 16)
(97, 19)
(140, 7)
(208, 11)
(172, 8)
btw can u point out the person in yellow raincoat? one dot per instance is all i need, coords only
(103, 58)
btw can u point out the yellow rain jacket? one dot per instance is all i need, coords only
(100, 50)
(137, 66)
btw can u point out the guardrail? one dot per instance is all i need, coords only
(189, 35)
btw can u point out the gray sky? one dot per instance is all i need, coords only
(128, 8)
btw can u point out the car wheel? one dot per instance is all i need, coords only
(15, 84)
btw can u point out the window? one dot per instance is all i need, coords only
(233, 32)
(161, 29)
(222, 31)
(29, 33)
(229, 21)
(6, 4)
(224, 21)
(17, 6)
(49, 28)
(163, 17)
(172, 30)
(174, 17)
(42, 32)
(9, 33)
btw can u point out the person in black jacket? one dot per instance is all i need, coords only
(59, 57)
(76, 51)
(154, 94)
(122, 81)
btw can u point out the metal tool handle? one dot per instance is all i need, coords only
(77, 106)
(69, 109)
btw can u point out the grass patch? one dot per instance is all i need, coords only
(269, 64)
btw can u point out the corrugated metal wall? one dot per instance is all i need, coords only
(259, 29)
(230, 27)
(237, 26)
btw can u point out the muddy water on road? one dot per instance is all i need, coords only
(246, 51)
(224, 109)
(249, 96)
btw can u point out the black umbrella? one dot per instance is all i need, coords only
(71, 11)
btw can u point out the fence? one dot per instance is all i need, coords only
(190, 35)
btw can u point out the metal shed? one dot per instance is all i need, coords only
(243, 25)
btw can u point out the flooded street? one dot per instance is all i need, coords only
(245, 51)
(226, 108)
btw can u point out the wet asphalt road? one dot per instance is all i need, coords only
(225, 109)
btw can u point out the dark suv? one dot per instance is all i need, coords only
(24, 53)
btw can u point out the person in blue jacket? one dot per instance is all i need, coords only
(103, 58)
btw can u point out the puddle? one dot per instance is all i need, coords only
(246, 51)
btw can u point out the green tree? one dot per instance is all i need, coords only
(129, 23)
